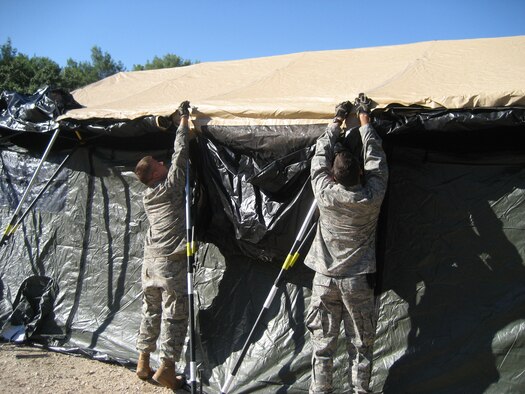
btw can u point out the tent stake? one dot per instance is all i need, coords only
(10, 227)
(290, 260)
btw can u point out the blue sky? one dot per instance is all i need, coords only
(134, 31)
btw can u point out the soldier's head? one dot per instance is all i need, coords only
(346, 169)
(150, 171)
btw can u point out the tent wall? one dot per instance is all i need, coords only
(86, 233)
(451, 254)
(451, 315)
(91, 247)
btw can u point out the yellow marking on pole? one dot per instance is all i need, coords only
(189, 251)
(9, 229)
(287, 263)
(294, 259)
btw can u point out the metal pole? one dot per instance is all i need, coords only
(190, 250)
(28, 209)
(10, 227)
(290, 260)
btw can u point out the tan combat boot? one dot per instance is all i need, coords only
(166, 376)
(144, 371)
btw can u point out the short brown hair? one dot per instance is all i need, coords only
(143, 169)
(346, 168)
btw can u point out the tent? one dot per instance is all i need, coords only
(451, 245)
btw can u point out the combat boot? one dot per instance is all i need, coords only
(167, 377)
(144, 371)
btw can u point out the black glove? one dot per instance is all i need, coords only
(362, 104)
(339, 147)
(343, 109)
(184, 108)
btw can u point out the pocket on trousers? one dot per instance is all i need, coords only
(317, 320)
(313, 320)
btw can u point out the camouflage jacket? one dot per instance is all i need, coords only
(344, 244)
(165, 205)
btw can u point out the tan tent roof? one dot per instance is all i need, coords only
(305, 87)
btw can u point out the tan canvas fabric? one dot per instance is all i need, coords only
(305, 87)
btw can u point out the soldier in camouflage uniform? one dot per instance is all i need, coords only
(164, 269)
(343, 251)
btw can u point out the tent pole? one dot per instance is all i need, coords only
(28, 209)
(190, 252)
(290, 260)
(10, 227)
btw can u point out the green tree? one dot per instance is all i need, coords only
(103, 64)
(169, 60)
(7, 52)
(15, 73)
(45, 72)
(22, 74)
(78, 74)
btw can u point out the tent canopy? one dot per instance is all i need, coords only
(306, 86)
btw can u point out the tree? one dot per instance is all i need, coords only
(45, 72)
(103, 64)
(15, 73)
(22, 74)
(7, 52)
(169, 60)
(79, 74)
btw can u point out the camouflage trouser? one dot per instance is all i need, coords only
(352, 301)
(164, 307)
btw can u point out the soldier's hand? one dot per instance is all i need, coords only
(184, 108)
(343, 109)
(362, 104)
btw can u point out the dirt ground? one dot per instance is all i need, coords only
(27, 369)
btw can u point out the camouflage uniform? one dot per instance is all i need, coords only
(164, 270)
(342, 253)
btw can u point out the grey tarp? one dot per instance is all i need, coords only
(451, 302)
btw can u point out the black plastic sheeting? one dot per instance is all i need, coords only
(120, 128)
(416, 120)
(16, 177)
(451, 248)
(257, 183)
(451, 298)
(34, 113)
(32, 309)
(452, 315)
